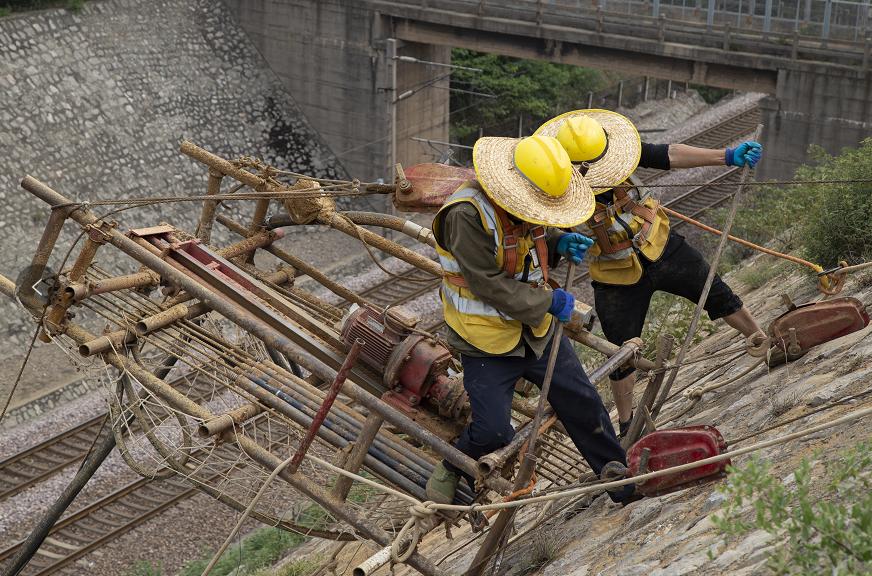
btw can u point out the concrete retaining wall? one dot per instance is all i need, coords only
(96, 103)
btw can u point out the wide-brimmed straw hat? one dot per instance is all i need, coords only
(506, 186)
(623, 150)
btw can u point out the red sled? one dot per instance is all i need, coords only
(802, 327)
(668, 448)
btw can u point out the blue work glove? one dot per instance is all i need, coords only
(573, 245)
(562, 304)
(745, 153)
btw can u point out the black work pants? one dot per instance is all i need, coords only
(682, 271)
(490, 384)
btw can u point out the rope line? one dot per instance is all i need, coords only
(351, 188)
(422, 510)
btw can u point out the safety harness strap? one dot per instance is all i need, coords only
(623, 202)
(511, 234)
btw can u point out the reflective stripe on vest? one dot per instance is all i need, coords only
(475, 321)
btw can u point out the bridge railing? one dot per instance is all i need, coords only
(821, 24)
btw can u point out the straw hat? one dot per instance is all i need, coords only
(622, 155)
(505, 185)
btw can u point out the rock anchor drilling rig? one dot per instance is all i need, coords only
(177, 310)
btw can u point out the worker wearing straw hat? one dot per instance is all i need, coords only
(636, 253)
(497, 237)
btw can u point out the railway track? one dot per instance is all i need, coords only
(717, 136)
(124, 509)
(37, 463)
(115, 514)
(102, 521)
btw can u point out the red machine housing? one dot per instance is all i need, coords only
(668, 448)
(415, 366)
(808, 325)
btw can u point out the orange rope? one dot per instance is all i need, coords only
(529, 489)
(828, 284)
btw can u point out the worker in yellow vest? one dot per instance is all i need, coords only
(497, 237)
(636, 253)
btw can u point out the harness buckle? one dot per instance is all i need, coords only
(637, 240)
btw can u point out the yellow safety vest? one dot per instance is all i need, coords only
(613, 257)
(479, 323)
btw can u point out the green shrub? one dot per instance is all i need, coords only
(5, 11)
(261, 548)
(836, 223)
(762, 271)
(145, 568)
(821, 525)
(824, 223)
(534, 89)
(75, 5)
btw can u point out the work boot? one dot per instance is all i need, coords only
(442, 485)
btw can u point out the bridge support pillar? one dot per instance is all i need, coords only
(331, 56)
(820, 106)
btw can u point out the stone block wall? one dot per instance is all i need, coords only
(96, 103)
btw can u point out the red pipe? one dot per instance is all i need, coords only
(331, 395)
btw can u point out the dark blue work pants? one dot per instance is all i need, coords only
(490, 384)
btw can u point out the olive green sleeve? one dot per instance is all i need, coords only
(473, 248)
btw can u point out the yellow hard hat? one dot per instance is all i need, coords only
(583, 138)
(544, 163)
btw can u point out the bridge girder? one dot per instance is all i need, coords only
(673, 67)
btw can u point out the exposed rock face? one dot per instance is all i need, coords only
(96, 103)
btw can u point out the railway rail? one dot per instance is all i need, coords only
(135, 503)
(716, 136)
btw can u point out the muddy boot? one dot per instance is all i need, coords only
(442, 485)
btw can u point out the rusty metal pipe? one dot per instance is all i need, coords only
(575, 332)
(114, 340)
(358, 452)
(207, 215)
(161, 319)
(261, 330)
(337, 222)
(407, 227)
(249, 245)
(34, 272)
(226, 421)
(222, 166)
(84, 259)
(329, 398)
(137, 280)
(7, 286)
(298, 264)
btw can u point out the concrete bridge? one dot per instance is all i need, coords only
(337, 58)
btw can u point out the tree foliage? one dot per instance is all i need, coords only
(535, 89)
